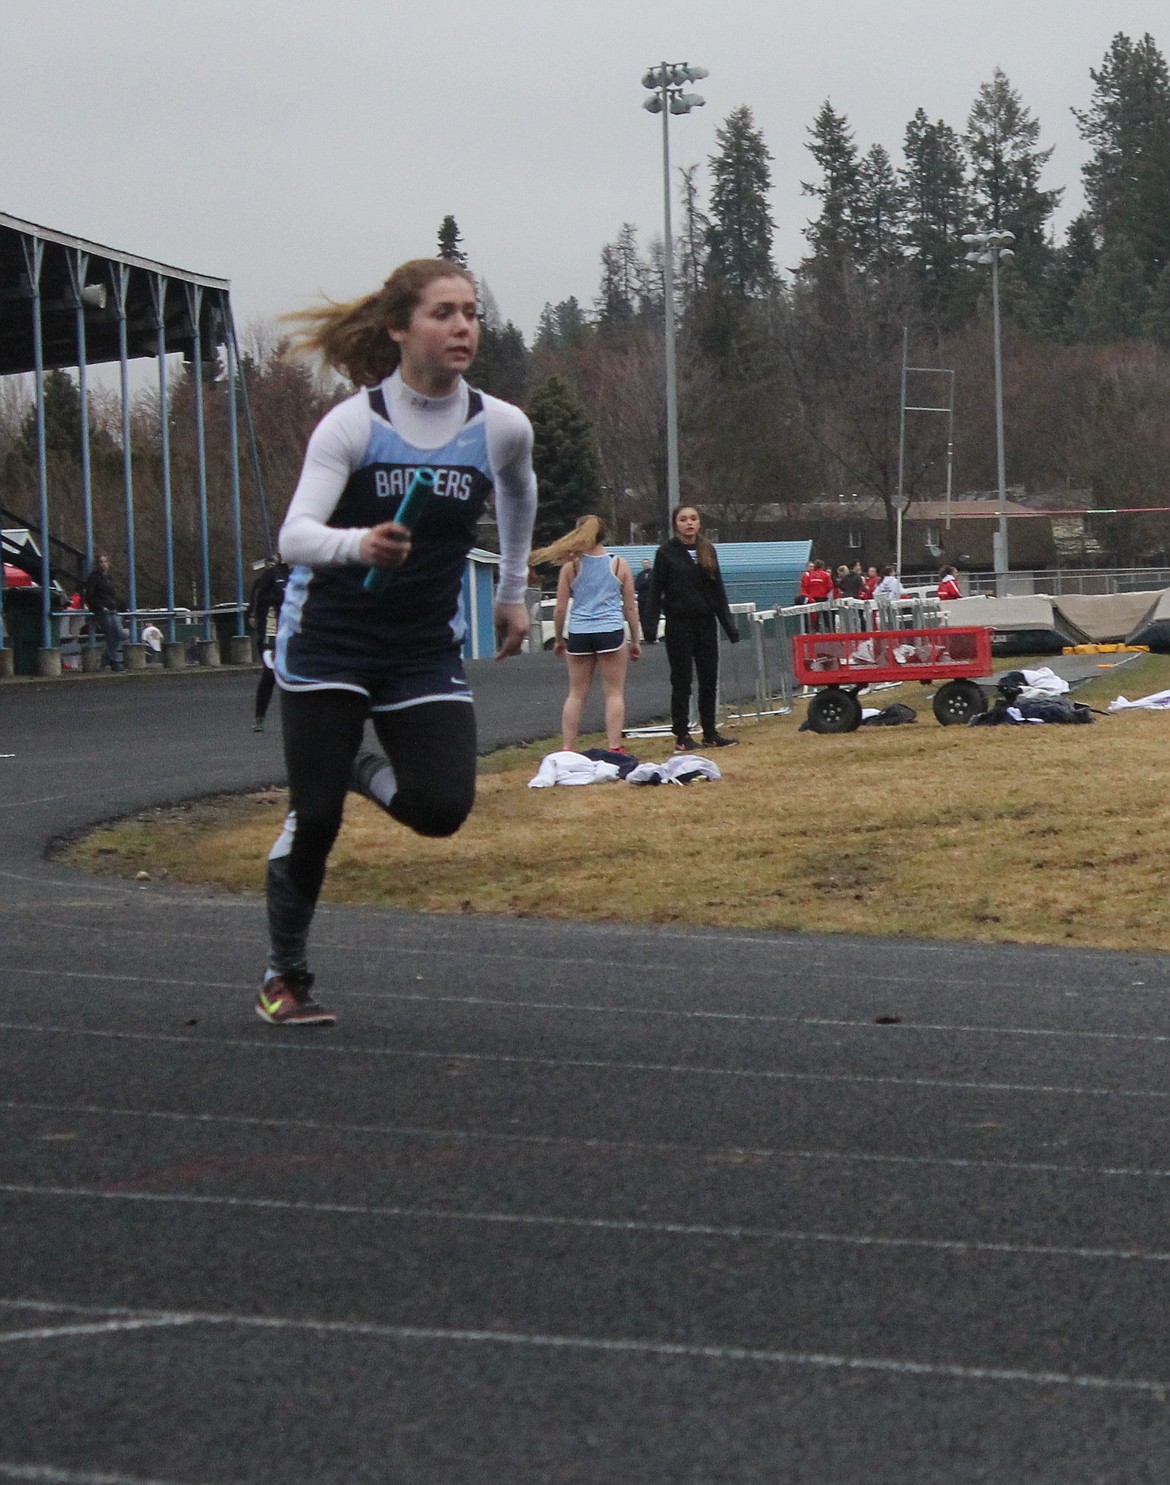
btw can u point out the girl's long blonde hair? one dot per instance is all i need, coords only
(352, 337)
(584, 536)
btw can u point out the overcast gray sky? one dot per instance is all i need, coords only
(306, 147)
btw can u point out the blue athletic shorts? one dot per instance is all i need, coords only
(595, 644)
(394, 684)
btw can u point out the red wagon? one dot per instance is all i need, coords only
(841, 665)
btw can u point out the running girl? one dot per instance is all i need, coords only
(390, 651)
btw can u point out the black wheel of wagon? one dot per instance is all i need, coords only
(957, 702)
(834, 710)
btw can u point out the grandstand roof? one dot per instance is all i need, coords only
(62, 255)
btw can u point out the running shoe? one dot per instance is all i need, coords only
(717, 740)
(285, 1000)
(685, 744)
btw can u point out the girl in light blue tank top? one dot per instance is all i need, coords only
(601, 590)
(597, 596)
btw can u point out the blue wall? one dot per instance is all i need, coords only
(765, 573)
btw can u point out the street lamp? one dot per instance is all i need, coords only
(666, 84)
(993, 248)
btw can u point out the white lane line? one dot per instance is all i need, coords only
(960, 1246)
(700, 1014)
(475, 1002)
(48, 1474)
(632, 1346)
(94, 1327)
(578, 1064)
(590, 1144)
(432, 950)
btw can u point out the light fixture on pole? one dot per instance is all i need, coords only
(993, 248)
(666, 84)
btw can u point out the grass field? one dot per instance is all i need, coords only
(1040, 834)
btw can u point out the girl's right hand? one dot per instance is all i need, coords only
(387, 545)
(559, 647)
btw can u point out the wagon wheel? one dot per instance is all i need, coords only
(834, 710)
(957, 702)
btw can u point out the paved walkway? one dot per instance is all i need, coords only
(554, 1202)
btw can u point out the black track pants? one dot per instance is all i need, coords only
(431, 748)
(692, 644)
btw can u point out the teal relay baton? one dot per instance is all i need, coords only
(418, 492)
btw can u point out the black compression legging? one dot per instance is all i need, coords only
(264, 688)
(692, 642)
(432, 749)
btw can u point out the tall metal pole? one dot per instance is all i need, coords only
(1001, 542)
(990, 248)
(673, 494)
(902, 449)
(665, 83)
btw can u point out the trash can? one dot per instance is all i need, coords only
(22, 625)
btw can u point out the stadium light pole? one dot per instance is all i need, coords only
(993, 248)
(665, 83)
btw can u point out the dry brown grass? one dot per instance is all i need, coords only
(1039, 834)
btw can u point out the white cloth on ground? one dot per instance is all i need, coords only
(1158, 702)
(1042, 683)
(683, 767)
(572, 768)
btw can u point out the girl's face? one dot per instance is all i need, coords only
(687, 524)
(442, 338)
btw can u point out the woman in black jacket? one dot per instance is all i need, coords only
(687, 588)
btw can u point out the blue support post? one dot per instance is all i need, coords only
(195, 306)
(34, 256)
(78, 267)
(158, 290)
(234, 448)
(121, 277)
(261, 496)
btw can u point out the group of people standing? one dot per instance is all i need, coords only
(819, 585)
(597, 602)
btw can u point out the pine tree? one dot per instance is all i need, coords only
(451, 242)
(625, 292)
(1072, 264)
(740, 235)
(879, 209)
(62, 421)
(937, 213)
(503, 366)
(562, 328)
(564, 455)
(1001, 140)
(1127, 177)
(834, 234)
(692, 240)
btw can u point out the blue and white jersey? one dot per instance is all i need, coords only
(597, 597)
(357, 469)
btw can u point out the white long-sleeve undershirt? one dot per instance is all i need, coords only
(339, 443)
